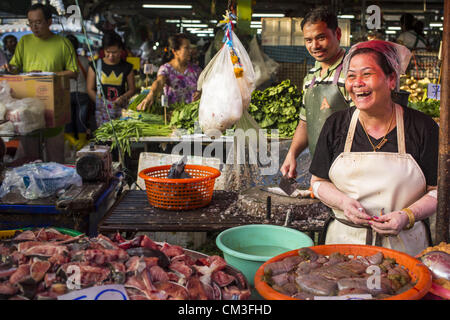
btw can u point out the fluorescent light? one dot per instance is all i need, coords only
(167, 6)
(255, 26)
(191, 21)
(346, 16)
(391, 32)
(258, 31)
(442, 29)
(256, 22)
(201, 31)
(213, 21)
(394, 28)
(187, 25)
(436, 24)
(268, 15)
(172, 21)
(199, 28)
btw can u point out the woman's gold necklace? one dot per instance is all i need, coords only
(384, 140)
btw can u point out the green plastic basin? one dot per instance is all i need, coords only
(247, 247)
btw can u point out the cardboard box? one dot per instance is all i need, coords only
(53, 90)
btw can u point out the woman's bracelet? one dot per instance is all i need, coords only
(411, 217)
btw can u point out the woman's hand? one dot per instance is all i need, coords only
(120, 101)
(391, 223)
(354, 211)
(147, 102)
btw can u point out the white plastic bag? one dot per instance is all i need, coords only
(224, 96)
(263, 65)
(26, 114)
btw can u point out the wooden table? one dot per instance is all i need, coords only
(133, 213)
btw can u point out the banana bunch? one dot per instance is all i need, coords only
(416, 88)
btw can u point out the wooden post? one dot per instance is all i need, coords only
(443, 210)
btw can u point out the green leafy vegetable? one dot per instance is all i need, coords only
(277, 107)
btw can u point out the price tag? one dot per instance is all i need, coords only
(109, 292)
(434, 91)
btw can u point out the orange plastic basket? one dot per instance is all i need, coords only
(179, 194)
(416, 269)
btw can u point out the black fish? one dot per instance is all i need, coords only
(177, 170)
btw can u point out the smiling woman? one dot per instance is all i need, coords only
(377, 198)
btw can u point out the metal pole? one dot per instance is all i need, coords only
(443, 210)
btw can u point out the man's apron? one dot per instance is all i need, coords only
(320, 102)
(378, 180)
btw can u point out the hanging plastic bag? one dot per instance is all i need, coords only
(263, 65)
(226, 83)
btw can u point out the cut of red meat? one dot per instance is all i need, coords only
(25, 236)
(22, 274)
(172, 250)
(184, 257)
(105, 242)
(150, 261)
(100, 257)
(23, 246)
(19, 258)
(234, 293)
(196, 289)
(221, 278)
(146, 242)
(158, 274)
(181, 267)
(7, 289)
(49, 279)
(7, 272)
(173, 290)
(316, 285)
(46, 250)
(38, 270)
(285, 265)
(89, 275)
(52, 235)
(58, 259)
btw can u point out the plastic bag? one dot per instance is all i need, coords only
(263, 65)
(39, 180)
(225, 95)
(26, 114)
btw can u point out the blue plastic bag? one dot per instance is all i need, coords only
(39, 180)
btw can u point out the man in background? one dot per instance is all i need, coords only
(9, 46)
(323, 86)
(43, 51)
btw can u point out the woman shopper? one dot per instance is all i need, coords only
(115, 80)
(177, 77)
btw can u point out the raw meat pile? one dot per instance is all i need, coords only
(311, 274)
(40, 264)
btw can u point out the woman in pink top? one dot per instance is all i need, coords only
(177, 77)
